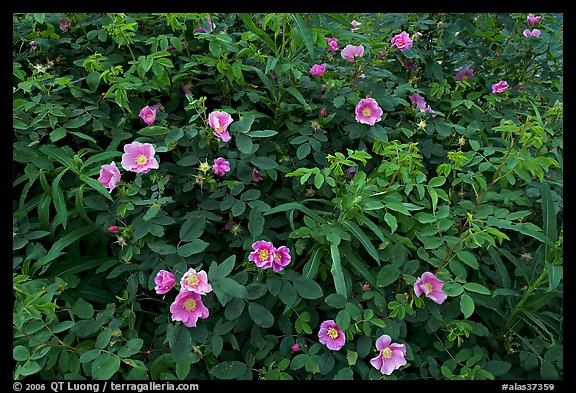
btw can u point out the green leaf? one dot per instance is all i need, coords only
(193, 227)
(233, 288)
(391, 221)
(303, 150)
(335, 300)
(478, 288)
(82, 309)
(311, 267)
(387, 275)
(549, 215)
(194, 247)
(262, 133)
(60, 155)
(247, 19)
(96, 185)
(468, 258)
(307, 288)
(20, 353)
(105, 366)
(93, 80)
(437, 181)
(343, 319)
(244, 143)
(497, 368)
(555, 274)
(255, 223)
(62, 326)
(58, 199)
(85, 328)
(527, 229)
(263, 162)
(179, 341)
(336, 270)
(294, 206)
(154, 131)
(361, 236)
(28, 368)
(502, 272)
(57, 134)
(260, 315)
(466, 305)
(294, 91)
(78, 121)
(131, 348)
(397, 206)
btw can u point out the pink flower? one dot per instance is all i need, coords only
(188, 307)
(402, 41)
(139, 157)
(165, 281)
(221, 166)
(355, 23)
(109, 176)
(281, 258)
(148, 114)
(362, 76)
(317, 69)
(431, 286)
(113, 228)
(256, 175)
(350, 52)
(464, 74)
(533, 20)
(332, 44)
(206, 26)
(32, 46)
(331, 335)
(368, 111)
(295, 347)
(499, 87)
(365, 287)
(263, 254)
(533, 33)
(65, 25)
(419, 100)
(323, 112)
(390, 356)
(196, 282)
(409, 64)
(185, 89)
(220, 121)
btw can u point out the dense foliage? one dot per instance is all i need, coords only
(288, 196)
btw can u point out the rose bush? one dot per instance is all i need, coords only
(299, 196)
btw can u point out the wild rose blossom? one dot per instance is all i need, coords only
(139, 157)
(281, 258)
(391, 356)
(355, 23)
(499, 87)
(256, 176)
(148, 113)
(220, 121)
(65, 25)
(188, 308)
(332, 44)
(533, 20)
(113, 228)
(365, 287)
(419, 100)
(295, 347)
(368, 111)
(350, 52)
(164, 281)
(263, 254)
(431, 286)
(464, 74)
(402, 41)
(221, 166)
(196, 282)
(109, 176)
(409, 64)
(331, 335)
(318, 70)
(533, 33)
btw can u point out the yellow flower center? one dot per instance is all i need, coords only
(366, 112)
(277, 256)
(263, 255)
(190, 305)
(141, 159)
(387, 353)
(429, 286)
(333, 333)
(219, 128)
(192, 280)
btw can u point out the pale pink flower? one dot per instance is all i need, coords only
(402, 41)
(331, 335)
(148, 113)
(332, 44)
(281, 258)
(263, 254)
(206, 26)
(368, 111)
(188, 307)
(533, 33)
(431, 286)
(499, 87)
(220, 121)
(221, 166)
(113, 228)
(355, 23)
(196, 282)
(362, 76)
(164, 281)
(139, 157)
(109, 176)
(318, 70)
(32, 46)
(464, 74)
(533, 20)
(391, 356)
(256, 176)
(419, 100)
(350, 52)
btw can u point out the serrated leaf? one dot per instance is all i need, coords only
(478, 288)
(466, 305)
(192, 228)
(179, 341)
(255, 223)
(307, 288)
(260, 315)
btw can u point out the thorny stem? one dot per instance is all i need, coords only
(47, 344)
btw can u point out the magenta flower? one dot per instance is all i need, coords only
(148, 113)
(256, 175)
(113, 228)
(295, 347)
(185, 89)
(188, 307)
(365, 287)
(332, 44)
(390, 356)
(409, 64)
(533, 33)
(165, 281)
(196, 282)
(368, 111)
(221, 166)
(431, 286)
(318, 70)
(281, 258)
(323, 112)
(533, 20)
(499, 87)
(350, 52)
(65, 25)
(402, 41)
(263, 254)
(419, 100)
(109, 176)
(331, 335)
(220, 121)
(139, 157)
(464, 74)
